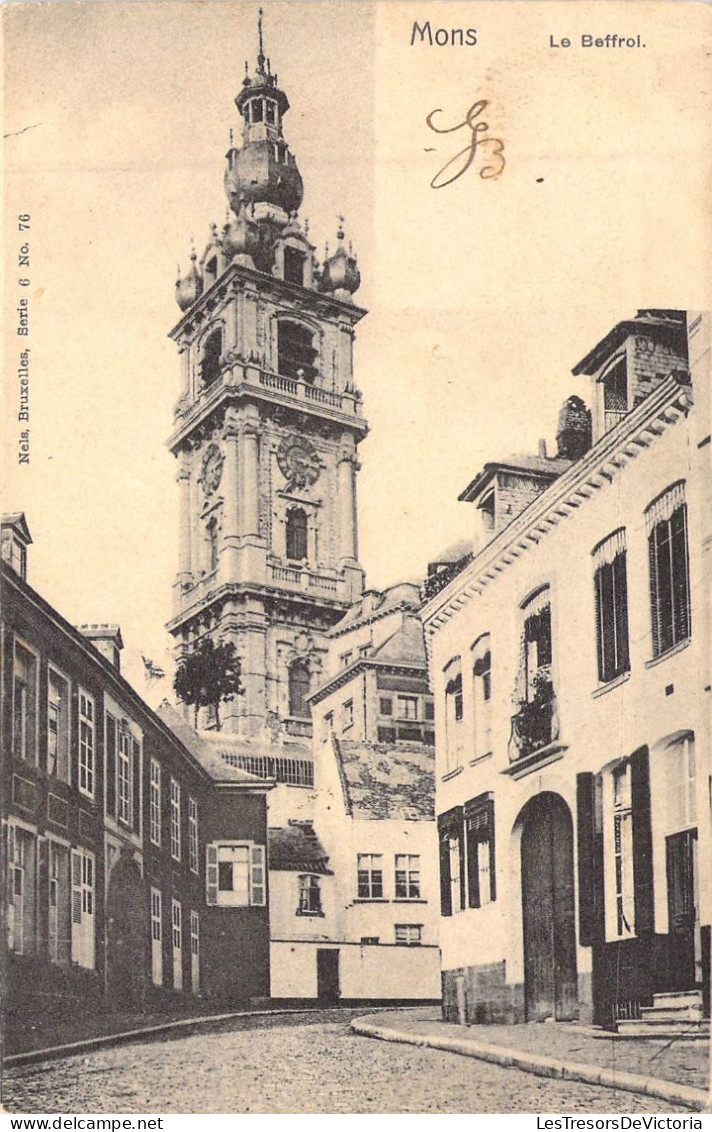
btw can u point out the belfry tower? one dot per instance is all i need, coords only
(266, 430)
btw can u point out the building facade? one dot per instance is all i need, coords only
(570, 660)
(266, 431)
(115, 830)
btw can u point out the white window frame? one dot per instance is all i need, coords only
(53, 671)
(58, 913)
(407, 864)
(154, 803)
(83, 882)
(175, 820)
(86, 728)
(403, 704)
(28, 743)
(310, 894)
(124, 775)
(367, 866)
(456, 866)
(193, 834)
(194, 951)
(618, 853)
(482, 695)
(255, 886)
(22, 889)
(177, 943)
(409, 935)
(156, 937)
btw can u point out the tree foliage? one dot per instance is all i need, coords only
(208, 676)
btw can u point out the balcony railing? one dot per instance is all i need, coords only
(535, 725)
(436, 582)
(302, 579)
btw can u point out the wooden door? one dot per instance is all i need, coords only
(680, 851)
(327, 975)
(550, 979)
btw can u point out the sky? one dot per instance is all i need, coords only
(482, 295)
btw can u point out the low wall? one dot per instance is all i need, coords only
(366, 971)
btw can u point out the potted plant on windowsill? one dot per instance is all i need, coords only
(534, 724)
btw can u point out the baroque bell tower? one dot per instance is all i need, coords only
(266, 430)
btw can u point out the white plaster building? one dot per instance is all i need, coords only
(570, 663)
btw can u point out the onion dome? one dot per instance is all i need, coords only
(241, 238)
(573, 435)
(263, 171)
(190, 287)
(340, 274)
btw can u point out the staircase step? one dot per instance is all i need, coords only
(689, 1013)
(662, 1028)
(678, 998)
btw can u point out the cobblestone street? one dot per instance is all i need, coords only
(299, 1067)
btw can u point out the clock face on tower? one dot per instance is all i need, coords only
(298, 461)
(211, 469)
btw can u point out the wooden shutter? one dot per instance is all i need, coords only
(642, 842)
(473, 879)
(588, 847)
(211, 874)
(136, 783)
(445, 901)
(77, 935)
(620, 611)
(680, 574)
(490, 830)
(257, 876)
(110, 766)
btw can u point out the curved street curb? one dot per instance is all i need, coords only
(686, 1095)
(50, 1052)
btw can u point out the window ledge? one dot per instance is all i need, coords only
(410, 900)
(299, 912)
(679, 647)
(481, 758)
(615, 682)
(371, 900)
(537, 760)
(452, 773)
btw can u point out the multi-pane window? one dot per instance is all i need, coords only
(193, 835)
(455, 873)
(87, 744)
(235, 875)
(482, 695)
(299, 684)
(58, 932)
(177, 940)
(537, 643)
(24, 704)
(309, 895)
(666, 522)
(615, 394)
(407, 707)
(154, 803)
(21, 882)
(57, 725)
(409, 934)
(370, 876)
(623, 849)
(296, 534)
(83, 884)
(347, 715)
(479, 848)
(156, 937)
(386, 705)
(175, 820)
(407, 885)
(296, 352)
(194, 952)
(453, 715)
(610, 582)
(124, 776)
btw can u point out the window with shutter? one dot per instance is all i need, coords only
(136, 787)
(211, 874)
(451, 834)
(83, 883)
(177, 940)
(156, 937)
(590, 859)
(236, 875)
(195, 952)
(666, 522)
(110, 765)
(453, 716)
(257, 875)
(611, 593)
(479, 833)
(87, 743)
(642, 841)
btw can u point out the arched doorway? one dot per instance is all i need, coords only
(128, 944)
(550, 981)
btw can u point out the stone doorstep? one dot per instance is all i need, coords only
(687, 1095)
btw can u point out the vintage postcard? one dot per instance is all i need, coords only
(356, 532)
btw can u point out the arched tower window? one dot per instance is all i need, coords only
(210, 361)
(299, 683)
(212, 532)
(295, 351)
(297, 534)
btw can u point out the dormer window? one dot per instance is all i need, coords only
(487, 508)
(294, 266)
(615, 394)
(210, 361)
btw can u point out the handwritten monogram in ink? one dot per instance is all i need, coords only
(487, 149)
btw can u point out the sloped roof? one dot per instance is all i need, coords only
(658, 323)
(228, 747)
(375, 604)
(17, 520)
(405, 646)
(203, 752)
(381, 780)
(297, 849)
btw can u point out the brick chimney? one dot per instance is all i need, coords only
(107, 639)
